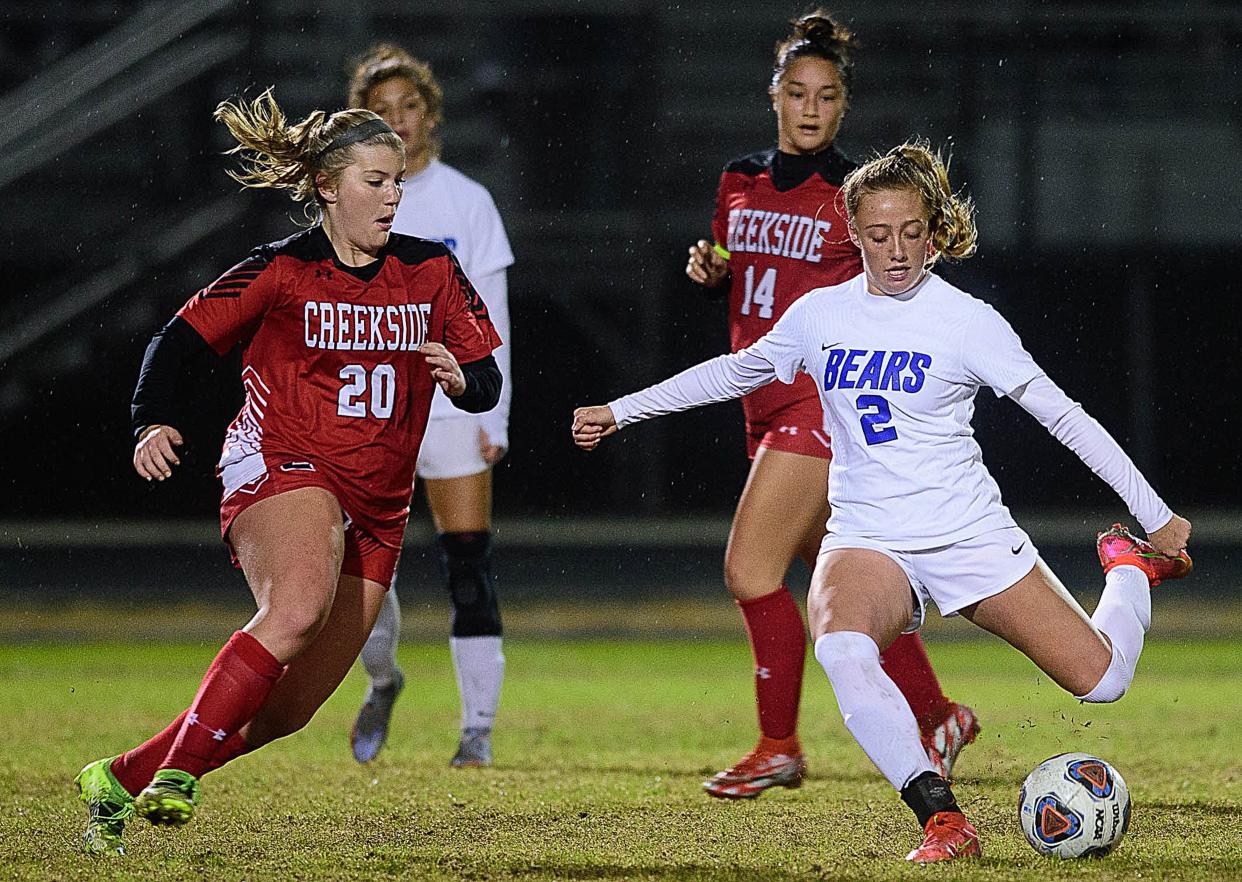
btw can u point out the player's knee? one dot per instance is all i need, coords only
(465, 559)
(742, 580)
(294, 627)
(1113, 684)
(841, 652)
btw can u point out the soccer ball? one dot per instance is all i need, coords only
(1074, 805)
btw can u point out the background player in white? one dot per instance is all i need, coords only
(460, 449)
(898, 355)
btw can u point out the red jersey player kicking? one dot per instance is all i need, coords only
(780, 231)
(346, 330)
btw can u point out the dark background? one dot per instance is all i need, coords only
(1101, 142)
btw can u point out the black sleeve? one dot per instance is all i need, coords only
(156, 391)
(483, 382)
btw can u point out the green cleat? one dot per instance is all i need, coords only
(108, 807)
(170, 799)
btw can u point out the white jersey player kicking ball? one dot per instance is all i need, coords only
(459, 450)
(898, 355)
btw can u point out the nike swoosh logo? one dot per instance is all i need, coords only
(1019, 548)
(824, 347)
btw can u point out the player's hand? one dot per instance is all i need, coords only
(1171, 539)
(706, 266)
(491, 453)
(592, 424)
(444, 369)
(154, 456)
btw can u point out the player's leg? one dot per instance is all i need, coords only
(385, 680)
(461, 507)
(783, 503)
(945, 726)
(1093, 658)
(861, 600)
(289, 546)
(315, 674)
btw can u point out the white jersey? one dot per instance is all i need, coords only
(443, 204)
(897, 378)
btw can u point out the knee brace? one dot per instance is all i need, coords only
(466, 563)
(1114, 683)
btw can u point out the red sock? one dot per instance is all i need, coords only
(907, 664)
(233, 689)
(230, 749)
(135, 768)
(778, 639)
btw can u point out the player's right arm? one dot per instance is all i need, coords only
(154, 399)
(778, 355)
(215, 319)
(709, 262)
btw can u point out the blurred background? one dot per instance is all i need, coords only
(1101, 141)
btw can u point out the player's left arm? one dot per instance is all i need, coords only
(464, 365)
(993, 355)
(494, 431)
(473, 387)
(1066, 421)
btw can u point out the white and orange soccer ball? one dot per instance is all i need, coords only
(1074, 805)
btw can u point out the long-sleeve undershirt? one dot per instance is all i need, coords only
(732, 376)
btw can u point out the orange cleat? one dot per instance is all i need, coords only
(776, 762)
(947, 836)
(1119, 547)
(945, 742)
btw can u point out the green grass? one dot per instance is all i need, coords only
(600, 751)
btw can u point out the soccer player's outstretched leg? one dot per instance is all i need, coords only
(897, 355)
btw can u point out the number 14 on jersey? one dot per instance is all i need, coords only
(762, 297)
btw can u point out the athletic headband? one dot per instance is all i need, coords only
(360, 132)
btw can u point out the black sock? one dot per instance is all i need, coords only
(928, 794)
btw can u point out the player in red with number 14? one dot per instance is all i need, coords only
(346, 329)
(780, 231)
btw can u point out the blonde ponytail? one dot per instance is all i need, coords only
(282, 156)
(915, 167)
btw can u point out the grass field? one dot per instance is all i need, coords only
(599, 754)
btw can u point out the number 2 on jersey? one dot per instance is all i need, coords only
(764, 296)
(351, 400)
(877, 414)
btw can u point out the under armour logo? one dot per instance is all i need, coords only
(788, 430)
(219, 734)
(191, 719)
(763, 673)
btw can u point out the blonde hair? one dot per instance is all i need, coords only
(817, 35)
(913, 166)
(282, 156)
(386, 61)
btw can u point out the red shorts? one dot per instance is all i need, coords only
(366, 555)
(798, 428)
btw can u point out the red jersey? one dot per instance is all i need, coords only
(782, 219)
(332, 374)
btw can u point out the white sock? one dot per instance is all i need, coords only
(379, 655)
(875, 712)
(480, 667)
(1123, 615)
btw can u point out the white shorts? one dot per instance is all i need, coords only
(451, 449)
(955, 576)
